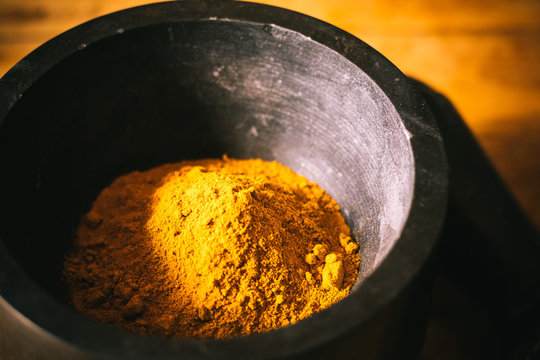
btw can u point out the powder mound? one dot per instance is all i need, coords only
(212, 248)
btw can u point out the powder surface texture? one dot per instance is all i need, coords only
(211, 248)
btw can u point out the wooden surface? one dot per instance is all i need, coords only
(484, 55)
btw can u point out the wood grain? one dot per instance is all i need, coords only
(483, 55)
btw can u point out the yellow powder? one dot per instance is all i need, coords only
(211, 248)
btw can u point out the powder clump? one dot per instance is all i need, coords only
(210, 248)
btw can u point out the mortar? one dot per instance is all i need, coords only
(186, 80)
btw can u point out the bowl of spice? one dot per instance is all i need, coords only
(214, 180)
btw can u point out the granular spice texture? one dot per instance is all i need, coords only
(210, 249)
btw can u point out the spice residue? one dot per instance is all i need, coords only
(210, 248)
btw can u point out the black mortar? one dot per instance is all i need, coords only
(186, 80)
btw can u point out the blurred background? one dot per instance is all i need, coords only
(483, 55)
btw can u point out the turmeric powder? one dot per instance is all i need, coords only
(210, 249)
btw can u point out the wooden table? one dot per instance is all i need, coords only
(484, 55)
